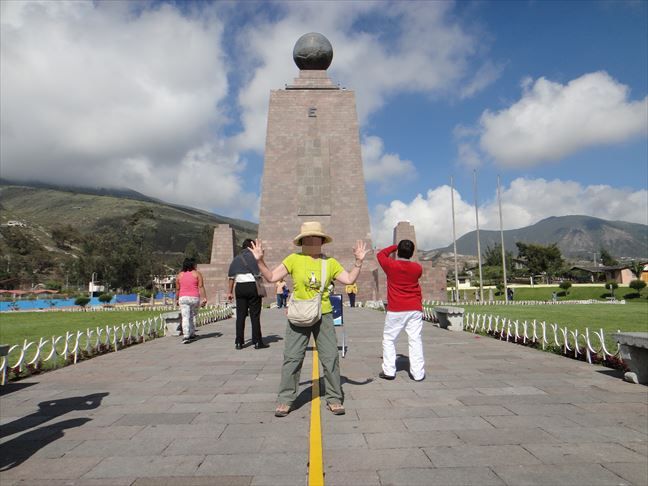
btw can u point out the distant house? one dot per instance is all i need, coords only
(621, 274)
(19, 224)
(644, 273)
(464, 281)
(166, 283)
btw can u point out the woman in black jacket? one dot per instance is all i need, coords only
(242, 272)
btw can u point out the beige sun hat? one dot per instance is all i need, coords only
(311, 228)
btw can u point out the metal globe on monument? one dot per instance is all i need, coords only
(313, 51)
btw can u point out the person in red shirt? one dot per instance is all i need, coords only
(404, 309)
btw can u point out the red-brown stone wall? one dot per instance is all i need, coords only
(315, 158)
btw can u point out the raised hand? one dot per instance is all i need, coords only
(360, 250)
(257, 249)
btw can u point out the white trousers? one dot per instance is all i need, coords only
(188, 311)
(412, 321)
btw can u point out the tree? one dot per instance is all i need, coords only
(65, 235)
(637, 285)
(565, 286)
(607, 259)
(637, 268)
(191, 251)
(492, 257)
(82, 301)
(53, 285)
(541, 259)
(105, 298)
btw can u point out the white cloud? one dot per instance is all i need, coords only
(427, 53)
(468, 156)
(524, 202)
(101, 93)
(485, 75)
(383, 168)
(137, 93)
(552, 121)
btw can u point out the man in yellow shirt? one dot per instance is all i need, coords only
(351, 291)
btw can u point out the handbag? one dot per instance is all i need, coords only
(258, 280)
(260, 287)
(306, 312)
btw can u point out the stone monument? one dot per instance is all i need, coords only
(215, 272)
(313, 166)
(313, 172)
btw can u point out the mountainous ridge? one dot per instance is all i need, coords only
(171, 231)
(577, 236)
(64, 236)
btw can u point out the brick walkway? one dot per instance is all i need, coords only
(163, 413)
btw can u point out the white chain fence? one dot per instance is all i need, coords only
(85, 344)
(106, 308)
(589, 345)
(524, 302)
(577, 344)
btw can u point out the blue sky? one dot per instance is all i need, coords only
(170, 99)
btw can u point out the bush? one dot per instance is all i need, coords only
(143, 292)
(105, 298)
(53, 285)
(565, 286)
(500, 288)
(637, 285)
(82, 301)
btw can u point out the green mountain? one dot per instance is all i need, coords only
(578, 237)
(46, 230)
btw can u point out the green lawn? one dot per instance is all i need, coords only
(574, 293)
(609, 317)
(15, 327)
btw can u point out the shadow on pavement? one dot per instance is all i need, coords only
(209, 335)
(272, 338)
(18, 450)
(344, 380)
(616, 373)
(11, 387)
(51, 409)
(402, 363)
(304, 397)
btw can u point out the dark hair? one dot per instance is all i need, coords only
(189, 264)
(247, 243)
(405, 249)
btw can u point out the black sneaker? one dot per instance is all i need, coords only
(385, 377)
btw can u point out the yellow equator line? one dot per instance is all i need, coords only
(315, 459)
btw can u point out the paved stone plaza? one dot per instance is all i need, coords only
(163, 413)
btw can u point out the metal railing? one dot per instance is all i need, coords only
(588, 345)
(91, 342)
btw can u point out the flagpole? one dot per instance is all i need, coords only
(499, 202)
(454, 241)
(481, 286)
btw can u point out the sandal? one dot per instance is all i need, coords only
(282, 410)
(336, 408)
